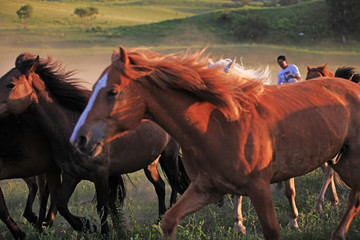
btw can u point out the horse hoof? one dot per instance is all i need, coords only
(88, 227)
(294, 224)
(20, 235)
(31, 218)
(240, 229)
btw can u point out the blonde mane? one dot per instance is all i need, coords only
(189, 72)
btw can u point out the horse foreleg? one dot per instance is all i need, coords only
(290, 194)
(67, 188)
(153, 175)
(260, 195)
(44, 196)
(190, 201)
(53, 185)
(102, 196)
(6, 218)
(33, 188)
(352, 208)
(237, 214)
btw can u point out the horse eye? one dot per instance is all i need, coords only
(10, 86)
(112, 93)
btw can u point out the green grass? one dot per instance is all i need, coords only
(169, 26)
(211, 222)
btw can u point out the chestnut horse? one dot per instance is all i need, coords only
(237, 134)
(39, 91)
(319, 72)
(230, 66)
(342, 72)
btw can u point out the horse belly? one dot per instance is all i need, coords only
(305, 140)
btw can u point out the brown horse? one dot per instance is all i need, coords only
(342, 72)
(237, 135)
(38, 90)
(319, 72)
(24, 153)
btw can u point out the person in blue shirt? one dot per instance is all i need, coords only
(288, 73)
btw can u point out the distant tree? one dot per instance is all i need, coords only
(344, 16)
(287, 2)
(24, 13)
(87, 14)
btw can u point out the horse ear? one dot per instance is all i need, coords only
(232, 63)
(308, 67)
(123, 56)
(114, 56)
(325, 66)
(34, 66)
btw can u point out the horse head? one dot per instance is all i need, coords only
(316, 72)
(17, 86)
(114, 96)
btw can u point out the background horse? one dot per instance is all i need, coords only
(342, 72)
(237, 135)
(319, 72)
(41, 92)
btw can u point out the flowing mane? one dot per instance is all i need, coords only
(65, 89)
(189, 72)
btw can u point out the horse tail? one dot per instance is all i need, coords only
(348, 73)
(337, 178)
(184, 179)
(117, 188)
(340, 182)
(172, 165)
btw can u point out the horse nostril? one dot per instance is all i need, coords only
(81, 141)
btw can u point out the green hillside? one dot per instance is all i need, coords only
(174, 23)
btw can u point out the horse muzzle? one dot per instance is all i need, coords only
(87, 145)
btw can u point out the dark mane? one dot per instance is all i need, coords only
(189, 72)
(65, 89)
(348, 73)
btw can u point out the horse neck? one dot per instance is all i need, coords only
(56, 120)
(183, 117)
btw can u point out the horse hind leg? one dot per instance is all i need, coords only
(33, 188)
(353, 208)
(348, 168)
(237, 214)
(290, 194)
(328, 178)
(153, 176)
(9, 222)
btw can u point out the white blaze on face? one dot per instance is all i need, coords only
(100, 84)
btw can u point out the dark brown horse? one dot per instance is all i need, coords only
(237, 135)
(24, 153)
(38, 90)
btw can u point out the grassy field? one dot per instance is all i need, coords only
(168, 26)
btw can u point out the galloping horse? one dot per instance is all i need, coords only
(24, 153)
(319, 72)
(39, 91)
(237, 135)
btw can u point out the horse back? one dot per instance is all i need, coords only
(308, 123)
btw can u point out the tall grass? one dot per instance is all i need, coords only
(212, 222)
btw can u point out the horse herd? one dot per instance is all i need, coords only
(236, 133)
